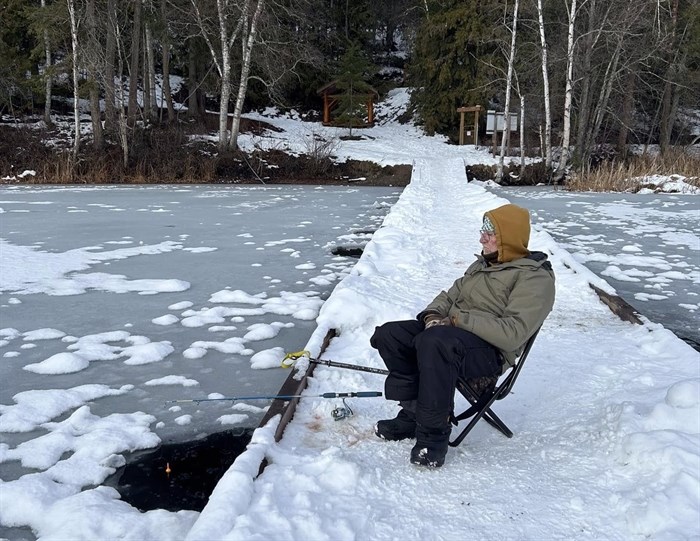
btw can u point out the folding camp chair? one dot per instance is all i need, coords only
(483, 392)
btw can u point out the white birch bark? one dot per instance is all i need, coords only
(564, 159)
(509, 83)
(522, 133)
(122, 120)
(47, 75)
(245, 71)
(227, 38)
(74, 44)
(545, 83)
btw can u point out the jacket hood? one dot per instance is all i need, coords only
(512, 224)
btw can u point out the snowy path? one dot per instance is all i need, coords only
(606, 415)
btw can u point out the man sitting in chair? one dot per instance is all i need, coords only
(475, 329)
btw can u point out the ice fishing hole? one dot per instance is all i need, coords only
(347, 251)
(195, 469)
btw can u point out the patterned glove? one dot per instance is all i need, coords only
(435, 319)
(431, 320)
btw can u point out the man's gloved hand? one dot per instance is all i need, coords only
(436, 319)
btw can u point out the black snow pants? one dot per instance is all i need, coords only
(424, 365)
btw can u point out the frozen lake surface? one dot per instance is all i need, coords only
(116, 300)
(174, 292)
(645, 245)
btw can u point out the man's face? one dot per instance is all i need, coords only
(488, 242)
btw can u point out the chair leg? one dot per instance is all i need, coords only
(497, 423)
(490, 417)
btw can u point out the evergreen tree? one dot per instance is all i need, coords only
(451, 64)
(16, 44)
(352, 87)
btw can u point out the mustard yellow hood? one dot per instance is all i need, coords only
(512, 224)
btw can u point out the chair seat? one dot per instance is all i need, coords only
(482, 392)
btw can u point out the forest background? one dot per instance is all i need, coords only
(596, 85)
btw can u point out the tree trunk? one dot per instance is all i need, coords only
(675, 101)
(627, 114)
(564, 159)
(47, 75)
(192, 82)
(166, 65)
(122, 121)
(74, 44)
(134, 64)
(547, 107)
(584, 106)
(245, 70)
(666, 101)
(509, 81)
(110, 113)
(146, 81)
(150, 55)
(522, 133)
(605, 90)
(223, 64)
(94, 46)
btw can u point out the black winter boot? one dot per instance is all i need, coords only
(431, 446)
(401, 427)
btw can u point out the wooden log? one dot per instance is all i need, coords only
(619, 306)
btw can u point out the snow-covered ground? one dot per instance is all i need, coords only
(606, 414)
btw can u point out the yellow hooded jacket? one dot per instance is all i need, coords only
(505, 302)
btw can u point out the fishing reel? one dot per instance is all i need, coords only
(342, 412)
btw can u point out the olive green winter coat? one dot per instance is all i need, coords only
(504, 302)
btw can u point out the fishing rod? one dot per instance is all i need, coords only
(350, 366)
(355, 394)
(298, 354)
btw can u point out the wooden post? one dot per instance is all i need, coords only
(370, 110)
(326, 110)
(473, 109)
(495, 132)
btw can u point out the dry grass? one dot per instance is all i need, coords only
(627, 176)
(160, 156)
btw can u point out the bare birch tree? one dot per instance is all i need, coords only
(509, 82)
(74, 24)
(546, 98)
(122, 117)
(248, 41)
(566, 137)
(150, 66)
(221, 52)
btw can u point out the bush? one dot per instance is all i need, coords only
(531, 175)
(628, 175)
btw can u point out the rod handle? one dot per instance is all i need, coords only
(359, 394)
